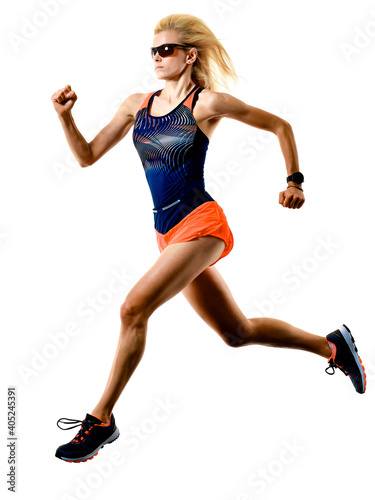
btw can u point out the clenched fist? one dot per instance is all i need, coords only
(292, 197)
(63, 100)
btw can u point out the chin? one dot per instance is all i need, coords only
(159, 74)
(162, 74)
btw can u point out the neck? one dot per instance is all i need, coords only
(176, 90)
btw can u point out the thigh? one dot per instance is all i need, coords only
(176, 267)
(210, 297)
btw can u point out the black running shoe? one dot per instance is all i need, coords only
(92, 436)
(345, 357)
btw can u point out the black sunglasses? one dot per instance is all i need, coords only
(167, 49)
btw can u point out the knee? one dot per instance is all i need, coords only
(234, 341)
(242, 334)
(231, 340)
(132, 312)
(230, 337)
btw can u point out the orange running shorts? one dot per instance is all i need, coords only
(207, 219)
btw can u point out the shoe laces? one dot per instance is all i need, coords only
(82, 433)
(332, 366)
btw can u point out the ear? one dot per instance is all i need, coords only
(192, 56)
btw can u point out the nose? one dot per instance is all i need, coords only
(157, 55)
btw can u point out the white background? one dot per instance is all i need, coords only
(64, 231)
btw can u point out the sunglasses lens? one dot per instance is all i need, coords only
(163, 50)
(166, 50)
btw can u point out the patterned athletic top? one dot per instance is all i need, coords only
(172, 149)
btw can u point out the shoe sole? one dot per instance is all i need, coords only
(91, 455)
(349, 339)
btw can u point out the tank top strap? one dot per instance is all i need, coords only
(189, 100)
(147, 100)
(192, 97)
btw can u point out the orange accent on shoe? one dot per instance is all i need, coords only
(364, 373)
(104, 424)
(333, 347)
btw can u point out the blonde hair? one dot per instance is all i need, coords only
(213, 66)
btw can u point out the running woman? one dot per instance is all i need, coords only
(172, 130)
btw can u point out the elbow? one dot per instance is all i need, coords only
(282, 126)
(86, 161)
(84, 164)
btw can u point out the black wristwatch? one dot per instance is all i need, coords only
(296, 177)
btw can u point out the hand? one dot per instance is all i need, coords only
(63, 100)
(292, 198)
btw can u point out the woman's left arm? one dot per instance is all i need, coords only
(225, 105)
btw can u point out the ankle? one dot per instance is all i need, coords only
(328, 349)
(103, 416)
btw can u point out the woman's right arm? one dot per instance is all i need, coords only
(88, 153)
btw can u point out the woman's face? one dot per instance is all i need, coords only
(171, 67)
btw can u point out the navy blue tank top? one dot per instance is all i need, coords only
(172, 149)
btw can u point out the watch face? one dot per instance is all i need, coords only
(298, 177)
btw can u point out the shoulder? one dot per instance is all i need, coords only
(133, 102)
(216, 104)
